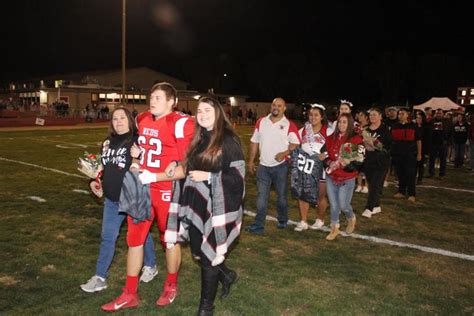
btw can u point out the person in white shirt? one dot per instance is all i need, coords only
(274, 137)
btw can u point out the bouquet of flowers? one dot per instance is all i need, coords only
(90, 165)
(372, 143)
(347, 154)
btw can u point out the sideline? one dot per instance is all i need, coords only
(378, 240)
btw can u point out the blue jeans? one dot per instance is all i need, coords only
(265, 177)
(340, 197)
(111, 223)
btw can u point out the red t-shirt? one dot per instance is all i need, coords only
(163, 140)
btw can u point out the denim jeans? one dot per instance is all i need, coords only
(265, 177)
(340, 197)
(111, 223)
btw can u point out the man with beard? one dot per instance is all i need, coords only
(275, 137)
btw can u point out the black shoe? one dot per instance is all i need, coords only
(419, 181)
(227, 280)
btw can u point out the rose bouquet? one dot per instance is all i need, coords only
(347, 154)
(372, 142)
(90, 165)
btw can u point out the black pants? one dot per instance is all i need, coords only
(210, 275)
(420, 168)
(438, 151)
(375, 176)
(405, 166)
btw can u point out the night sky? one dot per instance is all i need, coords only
(371, 52)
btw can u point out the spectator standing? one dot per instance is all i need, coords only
(361, 181)
(460, 136)
(377, 160)
(424, 130)
(439, 143)
(274, 137)
(406, 151)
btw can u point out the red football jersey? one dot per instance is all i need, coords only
(163, 140)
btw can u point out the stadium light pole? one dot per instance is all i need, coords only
(124, 29)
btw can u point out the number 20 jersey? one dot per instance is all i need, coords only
(163, 140)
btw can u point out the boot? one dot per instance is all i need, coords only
(227, 277)
(351, 224)
(334, 232)
(209, 283)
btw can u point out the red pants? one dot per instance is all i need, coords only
(160, 203)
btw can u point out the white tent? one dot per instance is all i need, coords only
(439, 103)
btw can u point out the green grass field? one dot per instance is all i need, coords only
(49, 248)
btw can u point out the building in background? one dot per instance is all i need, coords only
(104, 88)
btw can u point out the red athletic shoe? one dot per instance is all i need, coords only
(126, 300)
(170, 291)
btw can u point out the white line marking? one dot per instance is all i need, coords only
(435, 187)
(291, 222)
(384, 241)
(36, 198)
(44, 168)
(81, 191)
(444, 188)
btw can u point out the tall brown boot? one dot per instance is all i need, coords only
(334, 232)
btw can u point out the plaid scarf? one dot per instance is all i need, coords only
(215, 209)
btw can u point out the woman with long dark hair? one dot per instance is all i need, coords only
(207, 208)
(116, 160)
(307, 170)
(341, 179)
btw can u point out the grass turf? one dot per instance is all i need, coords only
(48, 249)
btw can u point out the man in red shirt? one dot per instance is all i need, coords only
(164, 136)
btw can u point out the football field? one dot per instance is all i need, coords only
(409, 259)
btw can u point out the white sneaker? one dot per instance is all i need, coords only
(95, 284)
(365, 190)
(376, 210)
(301, 226)
(148, 274)
(367, 213)
(358, 189)
(385, 184)
(317, 224)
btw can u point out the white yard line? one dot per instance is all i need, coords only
(291, 222)
(436, 187)
(384, 241)
(44, 168)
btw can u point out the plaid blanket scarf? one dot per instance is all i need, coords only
(215, 209)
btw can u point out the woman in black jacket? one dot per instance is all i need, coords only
(377, 141)
(116, 160)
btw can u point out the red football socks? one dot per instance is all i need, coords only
(132, 284)
(172, 278)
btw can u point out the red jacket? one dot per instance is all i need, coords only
(333, 146)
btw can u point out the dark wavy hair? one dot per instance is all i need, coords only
(211, 156)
